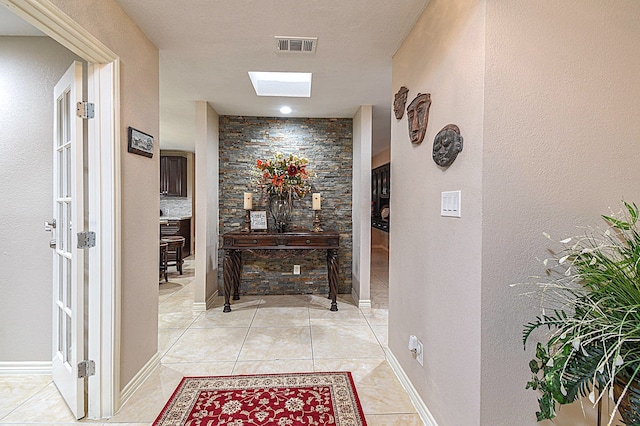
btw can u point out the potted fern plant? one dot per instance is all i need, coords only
(590, 301)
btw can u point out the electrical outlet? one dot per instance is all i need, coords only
(296, 269)
(420, 353)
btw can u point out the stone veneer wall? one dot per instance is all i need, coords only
(328, 144)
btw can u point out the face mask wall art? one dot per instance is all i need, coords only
(418, 117)
(447, 144)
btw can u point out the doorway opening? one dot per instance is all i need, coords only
(102, 185)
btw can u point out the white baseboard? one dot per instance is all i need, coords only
(364, 303)
(25, 367)
(360, 303)
(421, 407)
(203, 306)
(135, 383)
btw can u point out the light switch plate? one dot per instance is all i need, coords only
(450, 204)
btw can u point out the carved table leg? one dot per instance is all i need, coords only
(332, 275)
(229, 274)
(237, 267)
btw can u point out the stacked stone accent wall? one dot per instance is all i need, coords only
(327, 143)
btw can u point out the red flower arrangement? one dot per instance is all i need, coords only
(285, 176)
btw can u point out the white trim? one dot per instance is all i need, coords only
(24, 367)
(364, 303)
(421, 407)
(102, 300)
(104, 388)
(116, 211)
(142, 375)
(46, 17)
(203, 306)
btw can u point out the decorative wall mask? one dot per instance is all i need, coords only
(446, 145)
(418, 117)
(399, 101)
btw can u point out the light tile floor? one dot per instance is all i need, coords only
(268, 334)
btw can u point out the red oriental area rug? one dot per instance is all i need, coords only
(269, 399)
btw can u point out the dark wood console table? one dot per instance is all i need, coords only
(277, 246)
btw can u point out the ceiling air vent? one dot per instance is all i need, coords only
(296, 44)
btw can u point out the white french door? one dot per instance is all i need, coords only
(68, 260)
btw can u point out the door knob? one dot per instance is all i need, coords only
(50, 226)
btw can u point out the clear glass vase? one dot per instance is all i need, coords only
(280, 209)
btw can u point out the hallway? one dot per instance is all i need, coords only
(270, 334)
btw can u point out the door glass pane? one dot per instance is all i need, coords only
(59, 164)
(67, 295)
(60, 130)
(61, 263)
(67, 116)
(67, 171)
(62, 219)
(67, 352)
(59, 316)
(68, 226)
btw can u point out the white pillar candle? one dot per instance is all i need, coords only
(316, 201)
(248, 201)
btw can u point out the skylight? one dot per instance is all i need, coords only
(289, 84)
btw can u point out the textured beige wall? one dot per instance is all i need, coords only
(207, 144)
(551, 146)
(360, 271)
(29, 69)
(139, 108)
(561, 132)
(434, 271)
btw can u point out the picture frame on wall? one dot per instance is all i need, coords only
(140, 143)
(258, 220)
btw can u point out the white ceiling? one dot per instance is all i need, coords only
(208, 47)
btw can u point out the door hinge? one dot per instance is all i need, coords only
(86, 368)
(86, 239)
(85, 110)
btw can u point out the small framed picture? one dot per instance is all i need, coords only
(258, 220)
(140, 143)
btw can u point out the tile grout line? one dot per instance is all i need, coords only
(25, 401)
(244, 341)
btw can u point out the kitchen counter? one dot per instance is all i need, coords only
(165, 219)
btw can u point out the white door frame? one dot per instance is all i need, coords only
(104, 196)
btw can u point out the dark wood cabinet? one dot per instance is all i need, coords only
(173, 176)
(182, 227)
(380, 196)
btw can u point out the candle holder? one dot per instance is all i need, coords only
(316, 221)
(247, 221)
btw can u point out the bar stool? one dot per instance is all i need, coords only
(174, 251)
(164, 260)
